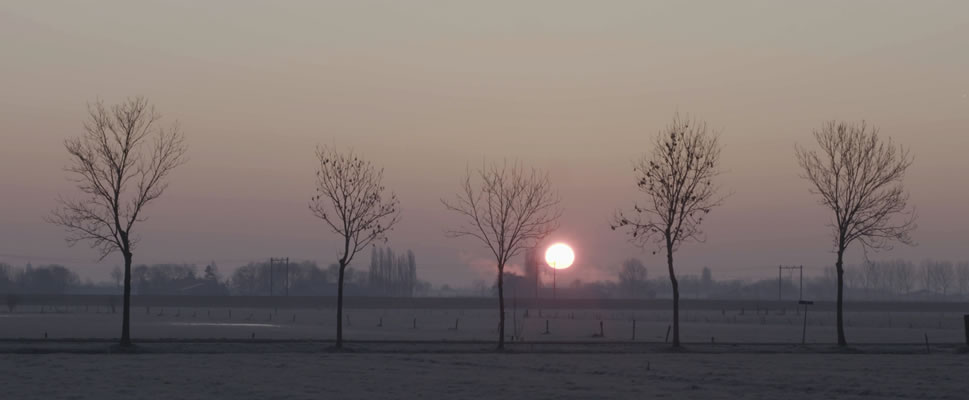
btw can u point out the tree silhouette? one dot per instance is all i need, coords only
(858, 176)
(350, 198)
(633, 278)
(121, 165)
(117, 275)
(509, 209)
(677, 179)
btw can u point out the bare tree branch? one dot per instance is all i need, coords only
(677, 179)
(859, 177)
(105, 161)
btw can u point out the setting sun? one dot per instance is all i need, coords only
(559, 256)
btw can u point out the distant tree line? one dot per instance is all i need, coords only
(176, 279)
(303, 279)
(45, 279)
(891, 280)
(389, 275)
(883, 280)
(887, 280)
(392, 275)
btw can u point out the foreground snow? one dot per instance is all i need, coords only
(484, 376)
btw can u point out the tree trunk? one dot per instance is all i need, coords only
(126, 309)
(676, 296)
(501, 308)
(841, 273)
(339, 307)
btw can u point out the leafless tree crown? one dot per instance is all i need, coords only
(352, 200)
(120, 164)
(677, 179)
(859, 175)
(509, 208)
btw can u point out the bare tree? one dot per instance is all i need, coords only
(509, 209)
(886, 284)
(854, 277)
(938, 276)
(633, 278)
(677, 179)
(632, 270)
(873, 277)
(896, 276)
(962, 277)
(946, 273)
(927, 276)
(121, 165)
(858, 175)
(904, 276)
(353, 202)
(117, 275)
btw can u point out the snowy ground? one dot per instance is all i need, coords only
(727, 326)
(484, 376)
(200, 353)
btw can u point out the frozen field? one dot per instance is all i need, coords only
(202, 353)
(700, 326)
(485, 376)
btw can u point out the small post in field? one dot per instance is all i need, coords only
(804, 328)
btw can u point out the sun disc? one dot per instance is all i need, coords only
(559, 256)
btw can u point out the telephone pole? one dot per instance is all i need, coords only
(554, 283)
(780, 270)
(272, 263)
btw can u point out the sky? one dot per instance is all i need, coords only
(428, 88)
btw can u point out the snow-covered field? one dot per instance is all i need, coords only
(422, 353)
(463, 325)
(484, 376)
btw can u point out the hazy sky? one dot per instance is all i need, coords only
(426, 88)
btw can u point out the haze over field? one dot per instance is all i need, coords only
(425, 89)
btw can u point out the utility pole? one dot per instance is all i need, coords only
(780, 270)
(554, 284)
(537, 265)
(272, 263)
